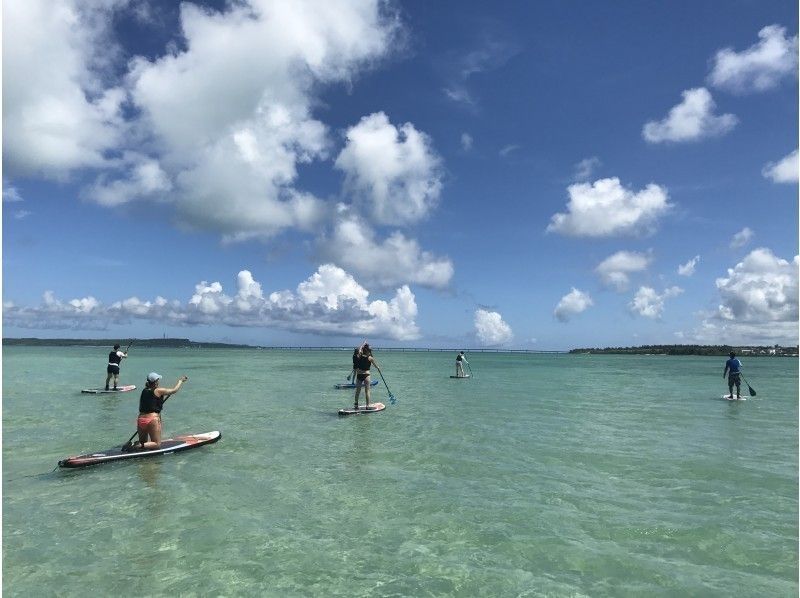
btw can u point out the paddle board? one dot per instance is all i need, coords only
(170, 445)
(373, 408)
(728, 398)
(102, 391)
(467, 376)
(351, 385)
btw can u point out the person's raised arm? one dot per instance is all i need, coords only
(171, 391)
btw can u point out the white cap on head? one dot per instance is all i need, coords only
(153, 377)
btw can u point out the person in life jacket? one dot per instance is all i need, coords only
(363, 361)
(460, 361)
(112, 371)
(733, 369)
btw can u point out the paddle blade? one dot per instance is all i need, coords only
(752, 390)
(392, 400)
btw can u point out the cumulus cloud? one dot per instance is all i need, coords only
(741, 238)
(649, 303)
(783, 171)
(606, 208)
(691, 120)
(58, 114)
(491, 329)
(572, 304)
(760, 288)
(466, 141)
(760, 67)
(144, 177)
(688, 268)
(222, 121)
(616, 269)
(352, 244)
(393, 171)
(329, 302)
(758, 303)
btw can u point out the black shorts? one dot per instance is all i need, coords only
(362, 377)
(734, 378)
(112, 369)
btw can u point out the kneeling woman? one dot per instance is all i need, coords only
(150, 403)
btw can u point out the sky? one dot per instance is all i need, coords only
(456, 174)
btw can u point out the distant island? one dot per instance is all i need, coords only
(718, 350)
(185, 343)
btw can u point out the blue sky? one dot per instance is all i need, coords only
(540, 175)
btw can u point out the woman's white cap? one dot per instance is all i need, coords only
(153, 377)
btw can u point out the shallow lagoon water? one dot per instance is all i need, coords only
(543, 475)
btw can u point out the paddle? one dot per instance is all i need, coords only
(750, 388)
(392, 400)
(128, 347)
(470, 368)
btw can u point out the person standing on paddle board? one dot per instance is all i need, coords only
(148, 424)
(363, 361)
(733, 369)
(460, 361)
(112, 371)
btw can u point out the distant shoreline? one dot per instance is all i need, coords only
(185, 343)
(715, 350)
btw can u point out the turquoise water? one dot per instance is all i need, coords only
(543, 475)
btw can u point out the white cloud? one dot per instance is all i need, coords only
(784, 171)
(394, 172)
(57, 112)
(466, 141)
(491, 329)
(758, 303)
(650, 304)
(606, 208)
(691, 120)
(144, 178)
(586, 167)
(741, 238)
(762, 288)
(328, 302)
(396, 260)
(10, 193)
(688, 268)
(492, 54)
(616, 269)
(223, 121)
(508, 149)
(572, 304)
(760, 67)
(21, 214)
